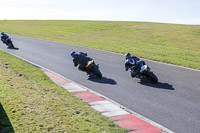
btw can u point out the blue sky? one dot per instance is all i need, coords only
(166, 11)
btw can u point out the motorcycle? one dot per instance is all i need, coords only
(145, 74)
(8, 42)
(93, 69)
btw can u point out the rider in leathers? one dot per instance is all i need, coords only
(133, 63)
(80, 59)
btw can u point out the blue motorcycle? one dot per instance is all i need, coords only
(8, 42)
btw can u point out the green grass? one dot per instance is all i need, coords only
(31, 102)
(171, 43)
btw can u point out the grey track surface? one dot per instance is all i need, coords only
(174, 102)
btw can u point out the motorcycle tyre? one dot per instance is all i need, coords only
(153, 77)
(11, 45)
(96, 72)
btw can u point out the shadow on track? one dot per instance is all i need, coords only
(14, 48)
(5, 124)
(158, 85)
(103, 80)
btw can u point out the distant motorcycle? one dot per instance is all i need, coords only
(145, 74)
(93, 69)
(8, 42)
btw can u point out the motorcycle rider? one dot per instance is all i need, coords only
(80, 59)
(133, 63)
(4, 37)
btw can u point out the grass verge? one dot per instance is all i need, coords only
(171, 43)
(31, 102)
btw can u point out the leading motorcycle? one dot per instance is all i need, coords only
(146, 74)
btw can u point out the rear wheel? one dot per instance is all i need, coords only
(152, 76)
(96, 71)
(10, 45)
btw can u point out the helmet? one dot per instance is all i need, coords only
(73, 53)
(127, 55)
(2, 33)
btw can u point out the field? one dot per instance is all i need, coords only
(33, 103)
(171, 43)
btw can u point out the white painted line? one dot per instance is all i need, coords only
(115, 113)
(100, 102)
(71, 87)
(105, 106)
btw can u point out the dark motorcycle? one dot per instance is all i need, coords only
(93, 69)
(145, 74)
(8, 42)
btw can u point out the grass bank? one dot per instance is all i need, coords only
(31, 102)
(171, 43)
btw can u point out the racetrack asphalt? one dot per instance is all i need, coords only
(174, 102)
